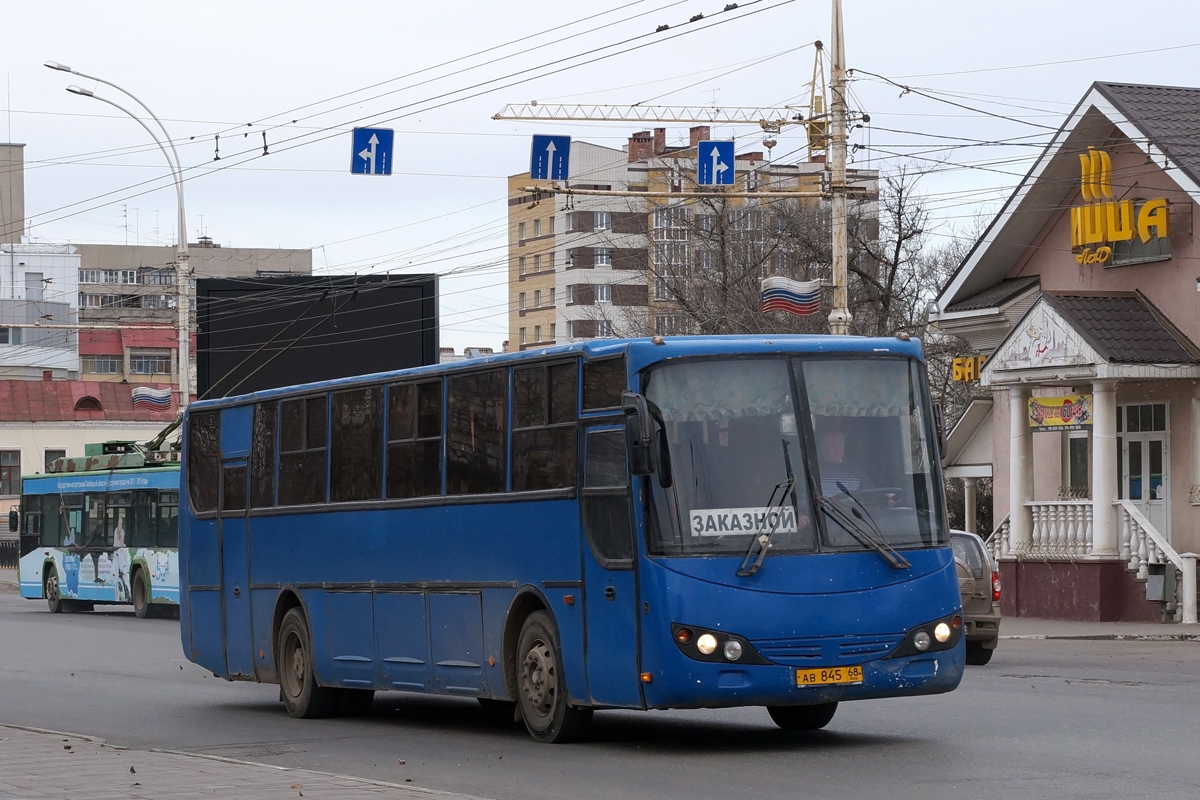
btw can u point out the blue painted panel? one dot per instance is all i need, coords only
(262, 611)
(207, 645)
(403, 636)
(235, 591)
(456, 628)
(235, 431)
(350, 637)
(199, 552)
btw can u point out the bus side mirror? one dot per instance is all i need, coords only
(14, 521)
(639, 434)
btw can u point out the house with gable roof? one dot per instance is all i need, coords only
(1083, 294)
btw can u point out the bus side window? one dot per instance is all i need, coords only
(262, 456)
(603, 382)
(302, 435)
(204, 460)
(356, 459)
(544, 413)
(414, 440)
(476, 422)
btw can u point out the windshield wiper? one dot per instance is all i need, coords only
(864, 529)
(762, 542)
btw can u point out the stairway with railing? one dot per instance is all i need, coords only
(1062, 531)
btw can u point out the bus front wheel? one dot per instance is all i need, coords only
(541, 685)
(802, 718)
(302, 696)
(50, 591)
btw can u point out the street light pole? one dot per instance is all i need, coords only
(182, 276)
(839, 317)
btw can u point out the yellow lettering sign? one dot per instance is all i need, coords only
(1154, 214)
(1104, 221)
(1089, 256)
(966, 369)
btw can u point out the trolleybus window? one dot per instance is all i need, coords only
(204, 459)
(414, 450)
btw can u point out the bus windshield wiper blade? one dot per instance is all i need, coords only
(857, 526)
(762, 542)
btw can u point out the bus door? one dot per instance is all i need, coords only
(235, 570)
(610, 583)
(31, 523)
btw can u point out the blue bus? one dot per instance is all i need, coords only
(683, 522)
(102, 529)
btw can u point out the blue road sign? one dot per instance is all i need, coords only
(714, 164)
(371, 151)
(549, 159)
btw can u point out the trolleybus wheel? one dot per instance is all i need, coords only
(141, 599)
(541, 685)
(802, 718)
(354, 702)
(302, 696)
(50, 591)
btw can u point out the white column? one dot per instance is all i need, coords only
(1020, 470)
(1105, 540)
(969, 502)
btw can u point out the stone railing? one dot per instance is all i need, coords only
(1143, 545)
(1062, 530)
(998, 541)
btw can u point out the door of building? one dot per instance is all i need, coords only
(1144, 460)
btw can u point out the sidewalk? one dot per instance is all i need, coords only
(44, 764)
(1032, 628)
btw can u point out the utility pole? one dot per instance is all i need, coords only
(839, 317)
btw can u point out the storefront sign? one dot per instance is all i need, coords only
(1099, 227)
(1070, 413)
(966, 369)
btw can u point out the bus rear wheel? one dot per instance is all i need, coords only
(50, 591)
(802, 718)
(542, 688)
(302, 696)
(141, 595)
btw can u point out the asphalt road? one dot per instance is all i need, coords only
(1055, 719)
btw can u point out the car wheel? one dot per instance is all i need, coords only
(977, 654)
(802, 718)
(302, 696)
(542, 688)
(50, 591)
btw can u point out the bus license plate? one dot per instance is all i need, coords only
(833, 675)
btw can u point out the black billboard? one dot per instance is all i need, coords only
(262, 333)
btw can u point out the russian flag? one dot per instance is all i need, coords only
(794, 297)
(152, 399)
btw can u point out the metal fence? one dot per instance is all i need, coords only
(9, 554)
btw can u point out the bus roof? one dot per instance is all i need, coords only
(641, 352)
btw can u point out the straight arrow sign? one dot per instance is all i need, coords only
(549, 158)
(714, 163)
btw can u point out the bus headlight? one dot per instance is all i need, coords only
(733, 650)
(706, 644)
(921, 640)
(941, 632)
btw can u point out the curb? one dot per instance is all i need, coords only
(1110, 637)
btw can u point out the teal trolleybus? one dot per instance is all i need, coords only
(103, 529)
(688, 522)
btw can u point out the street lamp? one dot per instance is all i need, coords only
(181, 266)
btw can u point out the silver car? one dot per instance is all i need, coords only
(979, 584)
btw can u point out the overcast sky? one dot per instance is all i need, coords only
(212, 67)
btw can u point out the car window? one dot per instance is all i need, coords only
(966, 550)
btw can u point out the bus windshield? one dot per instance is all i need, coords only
(862, 442)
